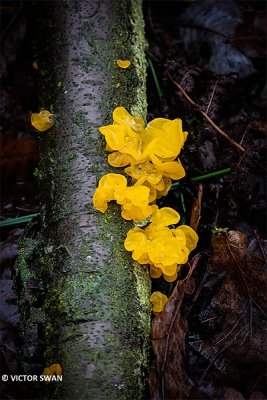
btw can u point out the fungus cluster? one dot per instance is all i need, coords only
(148, 155)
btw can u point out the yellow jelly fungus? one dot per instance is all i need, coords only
(168, 270)
(122, 117)
(42, 121)
(136, 241)
(117, 85)
(158, 301)
(149, 155)
(105, 192)
(165, 216)
(35, 64)
(54, 369)
(167, 251)
(117, 159)
(155, 272)
(134, 200)
(190, 235)
(123, 63)
(169, 278)
(164, 247)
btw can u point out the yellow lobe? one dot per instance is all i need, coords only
(123, 63)
(123, 117)
(165, 216)
(158, 301)
(190, 236)
(155, 272)
(107, 186)
(54, 369)
(114, 135)
(169, 270)
(42, 121)
(100, 201)
(117, 159)
(172, 278)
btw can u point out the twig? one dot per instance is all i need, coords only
(211, 97)
(185, 77)
(210, 121)
(198, 292)
(13, 19)
(244, 155)
(260, 244)
(244, 134)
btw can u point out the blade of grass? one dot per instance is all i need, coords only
(211, 175)
(150, 63)
(17, 221)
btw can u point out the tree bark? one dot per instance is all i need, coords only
(84, 303)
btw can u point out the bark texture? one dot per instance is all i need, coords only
(84, 302)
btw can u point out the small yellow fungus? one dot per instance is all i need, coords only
(105, 192)
(42, 121)
(158, 301)
(154, 272)
(35, 64)
(117, 85)
(54, 369)
(123, 63)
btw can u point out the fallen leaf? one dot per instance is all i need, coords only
(230, 393)
(168, 380)
(196, 209)
(240, 300)
(246, 270)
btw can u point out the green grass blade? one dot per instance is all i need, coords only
(17, 221)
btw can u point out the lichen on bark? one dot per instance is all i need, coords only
(94, 314)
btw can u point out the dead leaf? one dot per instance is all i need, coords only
(196, 209)
(240, 300)
(246, 270)
(257, 396)
(168, 380)
(19, 155)
(230, 393)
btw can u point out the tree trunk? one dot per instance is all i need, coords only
(84, 303)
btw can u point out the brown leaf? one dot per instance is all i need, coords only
(241, 299)
(230, 393)
(168, 380)
(196, 209)
(19, 156)
(246, 270)
(257, 396)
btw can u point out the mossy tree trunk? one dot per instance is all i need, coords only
(84, 302)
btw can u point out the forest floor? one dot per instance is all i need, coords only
(212, 76)
(214, 327)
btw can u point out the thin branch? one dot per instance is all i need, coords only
(210, 121)
(260, 244)
(212, 96)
